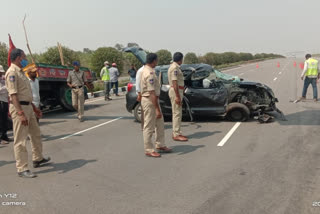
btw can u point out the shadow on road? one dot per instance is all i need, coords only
(200, 135)
(65, 167)
(307, 118)
(106, 117)
(49, 123)
(185, 149)
(88, 117)
(93, 106)
(46, 138)
(167, 126)
(206, 119)
(2, 163)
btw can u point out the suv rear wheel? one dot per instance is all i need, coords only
(137, 112)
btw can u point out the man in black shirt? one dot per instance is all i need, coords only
(132, 72)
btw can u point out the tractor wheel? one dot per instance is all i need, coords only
(66, 98)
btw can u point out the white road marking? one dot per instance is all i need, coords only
(241, 74)
(232, 69)
(226, 138)
(280, 73)
(91, 128)
(275, 79)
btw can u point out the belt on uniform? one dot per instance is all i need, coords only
(180, 87)
(76, 87)
(24, 103)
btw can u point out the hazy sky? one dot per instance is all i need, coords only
(199, 26)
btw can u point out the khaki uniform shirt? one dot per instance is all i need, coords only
(18, 83)
(149, 82)
(77, 78)
(175, 73)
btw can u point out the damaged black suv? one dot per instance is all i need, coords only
(208, 92)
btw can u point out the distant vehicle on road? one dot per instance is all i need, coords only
(208, 92)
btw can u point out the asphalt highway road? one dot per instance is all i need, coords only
(99, 166)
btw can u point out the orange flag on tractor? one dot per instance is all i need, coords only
(11, 47)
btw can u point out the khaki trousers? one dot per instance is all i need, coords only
(21, 133)
(78, 101)
(176, 112)
(151, 124)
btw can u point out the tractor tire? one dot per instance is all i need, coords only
(238, 112)
(66, 98)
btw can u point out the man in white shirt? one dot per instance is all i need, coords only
(3, 108)
(34, 83)
(138, 79)
(138, 91)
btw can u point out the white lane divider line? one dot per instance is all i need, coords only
(280, 73)
(241, 74)
(275, 79)
(94, 127)
(230, 133)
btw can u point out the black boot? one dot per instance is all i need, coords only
(37, 164)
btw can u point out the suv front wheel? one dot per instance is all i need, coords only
(238, 112)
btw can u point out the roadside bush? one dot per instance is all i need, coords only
(191, 58)
(164, 57)
(98, 85)
(4, 55)
(52, 56)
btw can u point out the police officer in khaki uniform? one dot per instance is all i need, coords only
(76, 80)
(153, 120)
(23, 114)
(176, 82)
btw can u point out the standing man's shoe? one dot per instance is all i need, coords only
(316, 100)
(179, 138)
(37, 164)
(3, 142)
(27, 174)
(5, 138)
(164, 149)
(301, 99)
(184, 136)
(153, 155)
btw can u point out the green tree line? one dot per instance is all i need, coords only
(94, 59)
